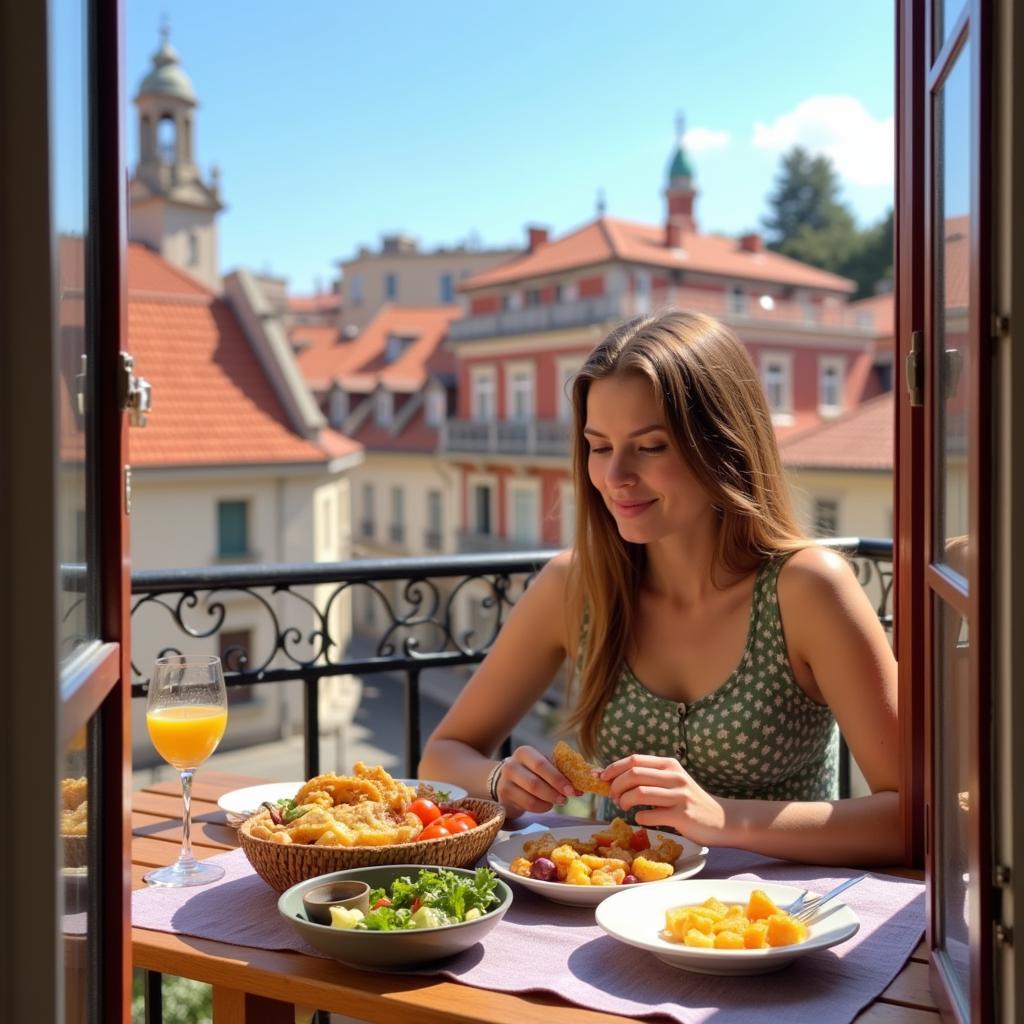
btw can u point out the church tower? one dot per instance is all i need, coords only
(680, 194)
(171, 209)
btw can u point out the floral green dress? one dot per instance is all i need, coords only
(758, 736)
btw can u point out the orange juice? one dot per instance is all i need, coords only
(186, 735)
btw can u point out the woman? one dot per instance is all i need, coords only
(714, 647)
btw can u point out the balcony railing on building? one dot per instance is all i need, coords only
(753, 305)
(509, 437)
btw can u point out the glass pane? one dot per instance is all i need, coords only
(78, 858)
(70, 180)
(946, 14)
(953, 796)
(951, 345)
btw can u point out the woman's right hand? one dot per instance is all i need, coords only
(530, 782)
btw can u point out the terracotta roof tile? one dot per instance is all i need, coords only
(610, 238)
(359, 364)
(212, 402)
(863, 438)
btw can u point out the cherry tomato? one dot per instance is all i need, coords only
(459, 818)
(640, 840)
(426, 810)
(454, 824)
(382, 902)
(434, 831)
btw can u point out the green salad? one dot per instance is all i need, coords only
(434, 899)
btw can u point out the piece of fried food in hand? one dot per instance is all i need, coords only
(583, 775)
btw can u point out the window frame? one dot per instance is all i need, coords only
(518, 373)
(782, 416)
(826, 363)
(223, 553)
(480, 374)
(514, 486)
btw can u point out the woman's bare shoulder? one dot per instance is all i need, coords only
(817, 584)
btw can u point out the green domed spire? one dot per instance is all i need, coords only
(681, 166)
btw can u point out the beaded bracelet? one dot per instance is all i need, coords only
(494, 778)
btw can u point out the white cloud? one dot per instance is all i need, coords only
(700, 140)
(840, 127)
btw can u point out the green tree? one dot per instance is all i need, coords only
(808, 221)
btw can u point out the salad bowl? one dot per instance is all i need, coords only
(399, 947)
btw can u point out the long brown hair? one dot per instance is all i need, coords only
(714, 409)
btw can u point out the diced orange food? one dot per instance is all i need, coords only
(714, 924)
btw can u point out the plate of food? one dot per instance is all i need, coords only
(414, 914)
(240, 804)
(722, 926)
(335, 822)
(583, 865)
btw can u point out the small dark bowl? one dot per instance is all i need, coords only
(387, 951)
(319, 900)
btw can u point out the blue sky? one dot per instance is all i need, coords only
(333, 122)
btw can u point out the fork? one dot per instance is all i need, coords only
(802, 909)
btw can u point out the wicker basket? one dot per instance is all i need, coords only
(75, 850)
(282, 866)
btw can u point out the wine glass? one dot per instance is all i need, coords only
(186, 715)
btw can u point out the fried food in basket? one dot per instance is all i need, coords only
(74, 807)
(583, 775)
(369, 808)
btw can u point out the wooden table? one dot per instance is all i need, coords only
(255, 985)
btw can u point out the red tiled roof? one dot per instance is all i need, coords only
(863, 438)
(610, 238)
(359, 364)
(213, 404)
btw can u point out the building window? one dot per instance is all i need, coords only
(234, 647)
(808, 310)
(776, 374)
(384, 407)
(737, 301)
(826, 517)
(369, 512)
(482, 509)
(567, 513)
(519, 400)
(830, 386)
(522, 509)
(435, 524)
(232, 529)
(532, 296)
(193, 249)
(390, 287)
(397, 529)
(511, 301)
(337, 407)
(355, 290)
(641, 291)
(436, 407)
(396, 345)
(482, 394)
(166, 139)
(447, 289)
(566, 370)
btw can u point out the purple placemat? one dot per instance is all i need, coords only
(545, 947)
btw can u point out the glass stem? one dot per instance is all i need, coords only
(185, 857)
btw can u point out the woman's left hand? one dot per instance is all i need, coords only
(664, 786)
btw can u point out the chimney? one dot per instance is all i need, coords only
(751, 242)
(673, 234)
(536, 237)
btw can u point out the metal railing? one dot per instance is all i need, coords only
(418, 607)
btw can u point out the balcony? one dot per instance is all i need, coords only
(533, 437)
(756, 307)
(419, 618)
(469, 542)
(534, 319)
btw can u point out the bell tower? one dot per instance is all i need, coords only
(680, 194)
(171, 209)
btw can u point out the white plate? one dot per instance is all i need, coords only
(240, 804)
(501, 854)
(637, 917)
(454, 792)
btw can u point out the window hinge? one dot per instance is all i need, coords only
(127, 490)
(1000, 325)
(1003, 935)
(1001, 875)
(915, 369)
(134, 393)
